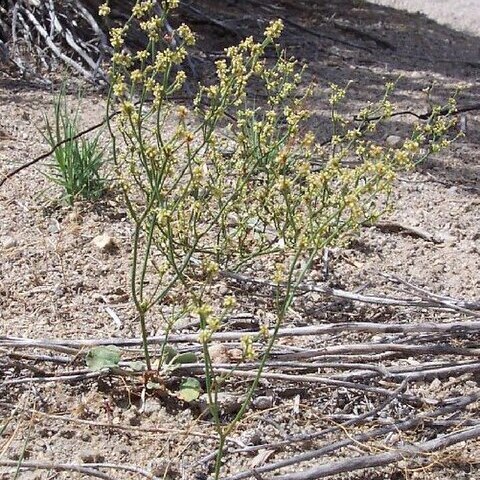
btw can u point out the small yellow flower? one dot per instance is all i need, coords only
(274, 29)
(182, 112)
(186, 34)
(204, 336)
(116, 37)
(180, 78)
(136, 76)
(229, 302)
(104, 10)
(204, 311)
(247, 347)
(210, 268)
(119, 88)
(264, 331)
(279, 275)
(213, 323)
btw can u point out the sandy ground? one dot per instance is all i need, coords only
(55, 283)
(460, 14)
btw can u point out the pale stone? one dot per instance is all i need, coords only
(228, 403)
(9, 242)
(263, 402)
(218, 353)
(394, 141)
(104, 242)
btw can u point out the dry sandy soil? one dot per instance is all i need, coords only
(54, 283)
(459, 14)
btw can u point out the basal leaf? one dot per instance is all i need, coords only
(103, 357)
(189, 390)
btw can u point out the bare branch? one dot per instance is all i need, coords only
(382, 459)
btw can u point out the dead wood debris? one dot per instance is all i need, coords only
(38, 37)
(387, 385)
(89, 469)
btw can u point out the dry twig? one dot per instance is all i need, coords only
(455, 329)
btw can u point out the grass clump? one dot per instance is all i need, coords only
(77, 163)
(237, 185)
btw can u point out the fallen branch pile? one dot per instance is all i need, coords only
(40, 36)
(37, 37)
(391, 390)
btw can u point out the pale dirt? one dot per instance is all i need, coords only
(461, 15)
(54, 283)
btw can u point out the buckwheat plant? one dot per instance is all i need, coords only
(231, 184)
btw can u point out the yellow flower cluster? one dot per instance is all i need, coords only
(337, 94)
(247, 347)
(117, 37)
(274, 30)
(142, 9)
(153, 27)
(186, 34)
(104, 10)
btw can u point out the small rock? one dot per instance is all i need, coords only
(74, 217)
(161, 468)
(9, 242)
(98, 297)
(151, 406)
(218, 353)
(132, 416)
(53, 226)
(59, 291)
(228, 403)
(235, 354)
(256, 438)
(394, 141)
(263, 402)
(90, 456)
(436, 384)
(104, 242)
(445, 237)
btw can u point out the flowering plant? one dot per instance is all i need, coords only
(236, 182)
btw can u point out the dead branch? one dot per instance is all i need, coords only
(67, 378)
(353, 350)
(452, 328)
(66, 59)
(394, 226)
(60, 467)
(427, 300)
(90, 469)
(382, 459)
(307, 437)
(361, 438)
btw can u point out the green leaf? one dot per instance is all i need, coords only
(169, 353)
(189, 390)
(171, 356)
(187, 357)
(103, 357)
(136, 366)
